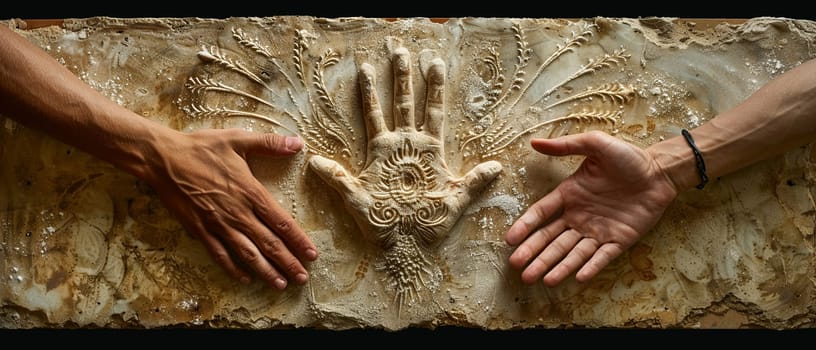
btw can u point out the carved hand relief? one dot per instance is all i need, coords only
(417, 161)
(405, 199)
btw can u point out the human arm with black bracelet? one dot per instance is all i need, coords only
(202, 177)
(620, 191)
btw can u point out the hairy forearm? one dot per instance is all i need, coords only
(39, 92)
(777, 117)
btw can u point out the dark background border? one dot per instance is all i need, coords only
(412, 338)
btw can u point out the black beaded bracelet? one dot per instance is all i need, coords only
(698, 157)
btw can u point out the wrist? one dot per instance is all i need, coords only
(675, 159)
(698, 159)
(143, 156)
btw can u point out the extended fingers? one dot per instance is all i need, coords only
(563, 243)
(222, 232)
(248, 252)
(535, 243)
(403, 90)
(535, 216)
(264, 143)
(566, 257)
(567, 252)
(265, 240)
(600, 259)
(217, 250)
(372, 112)
(285, 232)
(271, 240)
(435, 103)
(587, 144)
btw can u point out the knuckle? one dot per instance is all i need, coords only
(221, 257)
(560, 246)
(257, 196)
(272, 141)
(538, 210)
(272, 246)
(285, 226)
(543, 264)
(293, 267)
(247, 255)
(376, 113)
(404, 106)
(597, 135)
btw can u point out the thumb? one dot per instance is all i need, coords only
(586, 144)
(334, 174)
(477, 178)
(269, 144)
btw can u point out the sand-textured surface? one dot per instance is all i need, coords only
(429, 123)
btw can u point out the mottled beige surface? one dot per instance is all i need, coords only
(86, 245)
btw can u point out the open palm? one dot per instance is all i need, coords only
(614, 198)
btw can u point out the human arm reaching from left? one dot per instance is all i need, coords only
(202, 177)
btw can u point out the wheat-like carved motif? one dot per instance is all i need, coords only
(490, 133)
(323, 126)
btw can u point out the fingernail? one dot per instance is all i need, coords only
(301, 278)
(311, 254)
(244, 279)
(280, 283)
(293, 143)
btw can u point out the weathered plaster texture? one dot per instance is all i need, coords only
(83, 244)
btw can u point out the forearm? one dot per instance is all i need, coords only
(39, 92)
(777, 117)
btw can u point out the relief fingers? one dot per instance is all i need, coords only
(435, 108)
(403, 91)
(372, 112)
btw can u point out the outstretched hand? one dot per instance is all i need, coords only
(614, 198)
(203, 178)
